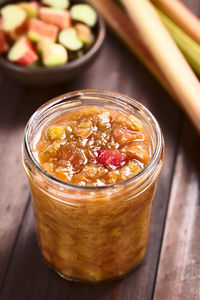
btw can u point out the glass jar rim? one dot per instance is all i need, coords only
(157, 154)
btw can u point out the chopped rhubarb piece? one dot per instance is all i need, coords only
(14, 20)
(84, 32)
(39, 29)
(111, 158)
(62, 4)
(123, 136)
(22, 52)
(54, 55)
(3, 43)
(43, 44)
(39, 4)
(31, 8)
(58, 17)
(69, 39)
(56, 133)
(71, 156)
(84, 13)
(139, 150)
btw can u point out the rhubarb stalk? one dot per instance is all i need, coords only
(187, 45)
(122, 25)
(178, 73)
(182, 16)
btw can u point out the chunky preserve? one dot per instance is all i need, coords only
(94, 146)
(92, 159)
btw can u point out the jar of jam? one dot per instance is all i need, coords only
(92, 158)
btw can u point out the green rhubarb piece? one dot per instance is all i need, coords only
(70, 40)
(62, 4)
(189, 48)
(54, 55)
(31, 9)
(84, 13)
(35, 64)
(33, 36)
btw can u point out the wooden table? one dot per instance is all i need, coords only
(171, 269)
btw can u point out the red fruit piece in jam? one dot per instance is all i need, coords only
(111, 158)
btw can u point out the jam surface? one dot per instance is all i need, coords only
(93, 146)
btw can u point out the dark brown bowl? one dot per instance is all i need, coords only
(52, 75)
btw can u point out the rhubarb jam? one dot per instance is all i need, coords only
(92, 158)
(94, 146)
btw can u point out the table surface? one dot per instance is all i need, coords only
(171, 268)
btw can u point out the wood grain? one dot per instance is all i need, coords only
(182, 16)
(179, 268)
(17, 105)
(11, 175)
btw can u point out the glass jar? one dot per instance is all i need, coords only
(92, 233)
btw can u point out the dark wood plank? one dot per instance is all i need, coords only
(179, 268)
(17, 105)
(13, 189)
(115, 69)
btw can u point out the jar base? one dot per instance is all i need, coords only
(78, 280)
